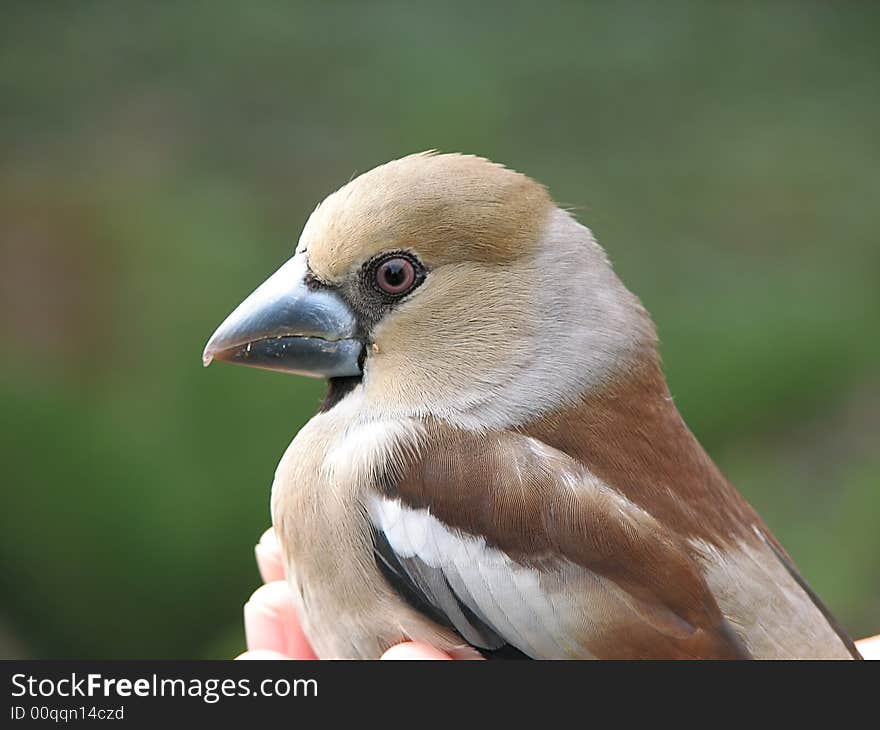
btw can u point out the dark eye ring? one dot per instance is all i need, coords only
(396, 275)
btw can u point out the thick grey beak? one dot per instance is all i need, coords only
(286, 326)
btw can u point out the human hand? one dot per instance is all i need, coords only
(869, 648)
(273, 630)
(271, 626)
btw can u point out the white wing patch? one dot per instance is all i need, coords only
(532, 610)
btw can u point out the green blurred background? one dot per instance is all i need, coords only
(159, 159)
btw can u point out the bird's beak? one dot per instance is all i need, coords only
(285, 325)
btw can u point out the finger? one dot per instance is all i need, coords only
(271, 624)
(869, 648)
(260, 655)
(414, 650)
(268, 554)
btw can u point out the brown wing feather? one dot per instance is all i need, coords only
(543, 509)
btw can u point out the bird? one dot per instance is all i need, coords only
(498, 468)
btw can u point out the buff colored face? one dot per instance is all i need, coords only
(446, 282)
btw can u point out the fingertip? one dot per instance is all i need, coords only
(412, 650)
(261, 655)
(269, 539)
(869, 648)
(271, 623)
(268, 554)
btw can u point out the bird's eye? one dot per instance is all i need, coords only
(396, 275)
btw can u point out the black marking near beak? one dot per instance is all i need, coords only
(284, 325)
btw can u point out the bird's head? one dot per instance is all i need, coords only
(450, 286)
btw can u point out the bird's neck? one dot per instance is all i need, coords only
(630, 434)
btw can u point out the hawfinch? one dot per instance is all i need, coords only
(498, 467)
